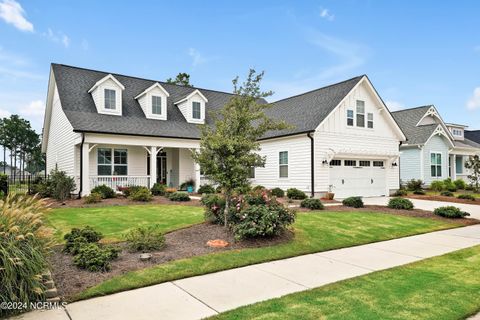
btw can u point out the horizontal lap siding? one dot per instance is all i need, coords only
(136, 159)
(298, 148)
(60, 147)
(435, 144)
(410, 164)
(186, 166)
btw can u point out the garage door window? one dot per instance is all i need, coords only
(378, 163)
(364, 163)
(360, 113)
(436, 164)
(283, 164)
(350, 163)
(335, 163)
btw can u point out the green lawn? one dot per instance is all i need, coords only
(314, 232)
(446, 287)
(114, 221)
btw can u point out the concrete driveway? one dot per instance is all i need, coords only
(429, 205)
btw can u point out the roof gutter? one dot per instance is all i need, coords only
(312, 163)
(80, 189)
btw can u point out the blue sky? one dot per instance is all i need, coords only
(414, 52)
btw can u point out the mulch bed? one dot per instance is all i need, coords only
(118, 201)
(442, 198)
(180, 244)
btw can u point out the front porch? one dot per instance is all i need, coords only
(127, 164)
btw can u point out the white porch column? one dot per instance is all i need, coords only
(453, 165)
(153, 166)
(197, 174)
(85, 169)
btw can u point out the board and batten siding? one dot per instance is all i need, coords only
(437, 144)
(410, 164)
(299, 177)
(61, 140)
(334, 135)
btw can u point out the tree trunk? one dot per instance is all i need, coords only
(227, 208)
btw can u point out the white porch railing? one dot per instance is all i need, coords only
(119, 181)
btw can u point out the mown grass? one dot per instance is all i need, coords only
(314, 232)
(445, 287)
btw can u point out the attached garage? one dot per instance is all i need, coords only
(358, 177)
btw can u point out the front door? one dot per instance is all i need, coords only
(162, 167)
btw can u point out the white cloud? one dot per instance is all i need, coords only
(197, 57)
(57, 37)
(326, 14)
(12, 13)
(474, 101)
(33, 109)
(394, 105)
(4, 113)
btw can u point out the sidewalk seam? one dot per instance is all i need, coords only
(194, 297)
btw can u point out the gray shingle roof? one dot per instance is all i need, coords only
(407, 120)
(473, 135)
(304, 112)
(466, 143)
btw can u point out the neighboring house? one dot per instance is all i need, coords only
(434, 150)
(112, 129)
(473, 135)
(10, 171)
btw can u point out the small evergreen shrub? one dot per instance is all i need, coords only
(257, 197)
(214, 206)
(179, 196)
(60, 186)
(312, 203)
(466, 196)
(127, 191)
(419, 192)
(401, 193)
(450, 212)
(206, 189)
(76, 237)
(93, 197)
(141, 194)
(105, 191)
(294, 193)
(447, 194)
(355, 202)
(145, 238)
(158, 189)
(449, 185)
(93, 257)
(277, 192)
(437, 186)
(400, 203)
(460, 184)
(413, 184)
(262, 221)
(258, 187)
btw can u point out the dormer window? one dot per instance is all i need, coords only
(156, 105)
(109, 99)
(196, 110)
(457, 132)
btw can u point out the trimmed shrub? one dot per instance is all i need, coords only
(437, 186)
(179, 196)
(413, 185)
(76, 237)
(93, 197)
(355, 202)
(206, 189)
(294, 193)
(262, 221)
(257, 197)
(466, 196)
(447, 194)
(258, 187)
(214, 206)
(60, 186)
(277, 192)
(93, 257)
(23, 249)
(127, 191)
(460, 184)
(158, 189)
(401, 193)
(141, 194)
(312, 203)
(450, 212)
(145, 238)
(419, 192)
(400, 203)
(449, 185)
(105, 191)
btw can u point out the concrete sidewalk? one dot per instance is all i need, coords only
(429, 205)
(203, 296)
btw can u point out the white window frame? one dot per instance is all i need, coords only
(114, 99)
(351, 118)
(457, 132)
(335, 163)
(359, 113)
(347, 165)
(112, 161)
(436, 165)
(152, 98)
(376, 162)
(280, 165)
(199, 110)
(363, 163)
(370, 121)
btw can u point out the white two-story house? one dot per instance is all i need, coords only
(107, 128)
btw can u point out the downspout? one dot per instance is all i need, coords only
(312, 163)
(80, 189)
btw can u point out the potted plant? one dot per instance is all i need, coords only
(329, 195)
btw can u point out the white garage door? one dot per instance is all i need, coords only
(357, 177)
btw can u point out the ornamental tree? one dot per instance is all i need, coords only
(228, 148)
(473, 163)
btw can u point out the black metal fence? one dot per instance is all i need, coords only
(22, 183)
